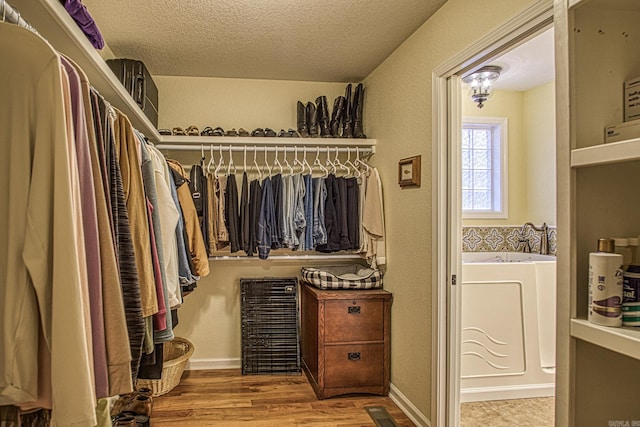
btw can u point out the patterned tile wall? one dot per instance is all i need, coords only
(504, 239)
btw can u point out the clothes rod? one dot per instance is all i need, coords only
(249, 149)
(285, 257)
(11, 15)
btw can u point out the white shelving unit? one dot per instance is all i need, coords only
(598, 367)
(53, 22)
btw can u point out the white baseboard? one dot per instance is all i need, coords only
(507, 392)
(202, 364)
(409, 409)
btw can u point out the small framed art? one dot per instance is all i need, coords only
(409, 172)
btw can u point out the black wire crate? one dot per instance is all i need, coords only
(270, 326)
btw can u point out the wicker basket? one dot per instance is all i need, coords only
(176, 354)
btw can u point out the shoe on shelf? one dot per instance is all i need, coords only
(208, 131)
(242, 132)
(164, 131)
(218, 131)
(257, 132)
(284, 134)
(193, 131)
(178, 131)
(293, 133)
(232, 132)
(269, 132)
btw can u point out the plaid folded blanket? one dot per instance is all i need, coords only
(343, 277)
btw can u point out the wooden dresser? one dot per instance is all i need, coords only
(346, 340)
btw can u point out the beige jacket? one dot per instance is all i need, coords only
(191, 224)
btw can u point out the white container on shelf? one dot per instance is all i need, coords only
(605, 288)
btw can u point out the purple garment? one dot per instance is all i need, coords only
(90, 228)
(81, 15)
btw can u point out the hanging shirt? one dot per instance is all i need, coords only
(373, 220)
(308, 213)
(319, 200)
(353, 213)
(255, 205)
(41, 285)
(232, 216)
(299, 220)
(244, 214)
(267, 220)
(223, 232)
(276, 184)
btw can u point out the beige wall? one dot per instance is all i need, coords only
(531, 168)
(398, 113)
(540, 135)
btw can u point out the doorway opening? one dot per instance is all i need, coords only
(454, 319)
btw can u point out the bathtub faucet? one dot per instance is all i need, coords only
(544, 237)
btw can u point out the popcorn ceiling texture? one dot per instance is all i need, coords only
(329, 40)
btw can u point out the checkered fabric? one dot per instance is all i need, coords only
(343, 277)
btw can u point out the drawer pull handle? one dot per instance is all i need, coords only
(354, 310)
(354, 356)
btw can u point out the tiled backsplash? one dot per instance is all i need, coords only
(504, 239)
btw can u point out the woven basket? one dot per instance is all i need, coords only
(176, 354)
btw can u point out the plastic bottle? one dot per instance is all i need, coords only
(622, 248)
(605, 285)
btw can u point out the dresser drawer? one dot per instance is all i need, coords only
(354, 365)
(354, 320)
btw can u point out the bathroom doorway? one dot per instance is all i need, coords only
(450, 227)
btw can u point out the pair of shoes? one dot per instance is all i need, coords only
(263, 132)
(352, 114)
(232, 132)
(140, 402)
(208, 131)
(125, 418)
(192, 131)
(242, 132)
(178, 131)
(291, 133)
(308, 116)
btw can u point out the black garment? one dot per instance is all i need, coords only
(124, 251)
(179, 181)
(231, 213)
(255, 204)
(341, 207)
(276, 185)
(244, 214)
(199, 193)
(353, 212)
(331, 217)
(151, 364)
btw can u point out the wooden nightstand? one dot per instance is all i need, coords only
(346, 340)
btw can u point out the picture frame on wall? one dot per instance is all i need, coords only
(409, 172)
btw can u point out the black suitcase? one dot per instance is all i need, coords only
(138, 82)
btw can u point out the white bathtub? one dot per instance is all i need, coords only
(508, 326)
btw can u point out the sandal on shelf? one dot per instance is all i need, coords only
(208, 131)
(269, 132)
(218, 131)
(257, 132)
(293, 133)
(178, 131)
(242, 132)
(164, 131)
(232, 132)
(193, 131)
(283, 134)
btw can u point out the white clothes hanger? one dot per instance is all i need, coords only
(287, 164)
(306, 163)
(353, 170)
(255, 163)
(266, 163)
(296, 161)
(231, 164)
(211, 161)
(329, 163)
(317, 162)
(359, 162)
(276, 162)
(337, 162)
(220, 166)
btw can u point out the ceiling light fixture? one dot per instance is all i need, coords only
(480, 82)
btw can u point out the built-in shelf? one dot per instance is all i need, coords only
(53, 22)
(613, 152)
(624, 340)
(173, 142)
(288, 257)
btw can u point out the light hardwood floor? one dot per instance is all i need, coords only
(227, 398)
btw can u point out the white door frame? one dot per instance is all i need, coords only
(447, 229)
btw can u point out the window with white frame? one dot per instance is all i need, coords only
(484, 167)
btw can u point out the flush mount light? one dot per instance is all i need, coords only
(480, 83)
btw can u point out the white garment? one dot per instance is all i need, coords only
(169, 217)
(373, 220)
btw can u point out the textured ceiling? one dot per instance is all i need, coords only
(321, 40)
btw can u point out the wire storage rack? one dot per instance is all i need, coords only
(270, 326)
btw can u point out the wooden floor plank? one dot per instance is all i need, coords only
(227, 398)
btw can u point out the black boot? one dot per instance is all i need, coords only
(323, 116)
(358, 104)
(303, 129)
(347, 121)
(337, 116)
(312, 119)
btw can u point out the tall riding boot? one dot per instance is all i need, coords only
(358, 104)
(337, 116)
(323, 116)
(303, 129)
(347, 121)
(312, 119)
